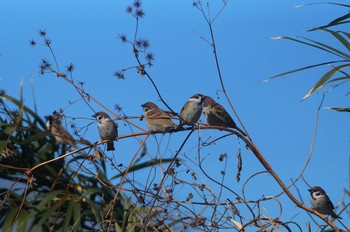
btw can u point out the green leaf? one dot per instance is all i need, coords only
(9, 219)
(317, 45)
(9, 129)
(2, 145)
(344, 79)
(94, 209)
(22, 220)
(339, 37)
(332, 24)
(304, 68)
(329, 49)
(346, 34)
(26, 109)
(324, 79)
(68, 214)
(339, 109)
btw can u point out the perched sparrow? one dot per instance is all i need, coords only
(321, 202)
(192, 110)
(53, 124)
(107, 129)
(216, 115)
(157, 120)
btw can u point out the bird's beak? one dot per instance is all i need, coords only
(309, 190)
(94, 116)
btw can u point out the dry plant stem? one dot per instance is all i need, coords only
(20, 207)
(301, 199)
(169, 166)
(311, 147)
(210, 24)
(145, 72)
(64, 197)
(268, 167)
(64, 77)
(218, 183)
(220, 192)
(58, 69)
(252, 145)
(284, 224)
(155, 87)
(110, 212)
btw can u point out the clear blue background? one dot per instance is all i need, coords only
(86, 33)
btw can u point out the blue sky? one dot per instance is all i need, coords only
(281, 125)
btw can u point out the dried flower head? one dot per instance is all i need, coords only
(123, 38)
(119, 75)
(118, 108)
(140, 13)
(149, 56)
(189, 197)
(141, 70)
(32, 43)
(70, 67)
(44, 66)
(42, 33)
(128, 9)
(142, 43)
(137, 3)
(222, 157)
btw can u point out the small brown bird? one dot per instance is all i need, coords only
(54, 125)
(192, 110)
(216, 115)
(107, 129)
(157, 120)
(321, 202)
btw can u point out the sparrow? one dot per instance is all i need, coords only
(321, 202)
(216, 115)
(54, 125)
(157, 120)
(192, 110)
(107, 129)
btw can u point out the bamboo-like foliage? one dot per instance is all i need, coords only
(337, 75)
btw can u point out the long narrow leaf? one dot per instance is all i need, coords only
(341, 39)
(344, 79)
(22, 221)
(32, 113)
(346, 34)
(76, 216)
(329, 49)
(321, 82)
(336, 22)
(68, 215)
(339, 109)
(305, 68)
(331, 3)
(309, 44)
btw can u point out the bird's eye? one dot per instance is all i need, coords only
(317, 193)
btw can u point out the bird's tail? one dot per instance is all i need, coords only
(110, 146)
